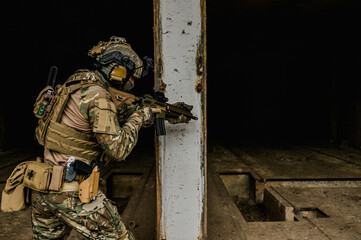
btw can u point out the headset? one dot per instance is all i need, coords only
(124, 67)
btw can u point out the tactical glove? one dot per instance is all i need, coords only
(125, 111)
(181, 118)
(148, 115)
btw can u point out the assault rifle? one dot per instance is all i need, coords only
(155, 100)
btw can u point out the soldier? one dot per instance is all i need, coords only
(83, 125)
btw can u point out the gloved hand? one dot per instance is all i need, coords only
(125, 111)
(181, 118)
(148, 118)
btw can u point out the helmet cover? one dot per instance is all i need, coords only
(117, 48)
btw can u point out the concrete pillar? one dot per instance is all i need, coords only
(180, 71)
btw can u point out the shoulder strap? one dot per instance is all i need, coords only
(81, 79)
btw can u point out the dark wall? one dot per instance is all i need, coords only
(276, 69)
(284, 70)
(36, 34)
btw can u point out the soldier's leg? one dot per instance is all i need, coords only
(98, 219)
(45, 224)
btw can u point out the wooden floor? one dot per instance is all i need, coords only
(255, 192)
(306, 192)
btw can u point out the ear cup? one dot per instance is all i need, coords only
(118, 73)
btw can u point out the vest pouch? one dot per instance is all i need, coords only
(44, 102)
(56, 178)
(37, 176)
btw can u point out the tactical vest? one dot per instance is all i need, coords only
(53, 135)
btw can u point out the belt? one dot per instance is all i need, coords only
(58, 183)
(70, 186)
(67, 179)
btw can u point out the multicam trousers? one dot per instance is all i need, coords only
(54, 215)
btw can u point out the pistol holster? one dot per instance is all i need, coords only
(89, 187)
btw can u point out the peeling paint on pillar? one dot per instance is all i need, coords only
(180, 60)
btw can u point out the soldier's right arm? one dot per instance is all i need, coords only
(116, 141)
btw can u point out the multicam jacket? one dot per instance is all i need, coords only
(90, 110)
(116, 140)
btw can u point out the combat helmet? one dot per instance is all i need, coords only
(127, 62)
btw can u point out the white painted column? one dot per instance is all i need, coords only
(181, 154)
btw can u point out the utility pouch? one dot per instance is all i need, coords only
(37, 176)
(56, 178)
(89, 187)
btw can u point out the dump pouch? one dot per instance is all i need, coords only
(38, 176)
(89, 187)
(13, 196)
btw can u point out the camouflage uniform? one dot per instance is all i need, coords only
(116, 141)
(54, 215)
(116, 131)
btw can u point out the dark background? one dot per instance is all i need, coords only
(284, 70)
(39, 34)
(277, 70)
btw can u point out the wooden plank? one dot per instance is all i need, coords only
(224, 218)
(326, 207)
(140, 214)
(283, 231)
(339, 228)
(341, 208)
(223, 160)
(291, 162)
(15, 225)
(278, 209)
(349, 155)
(334, 202)
(141, 207)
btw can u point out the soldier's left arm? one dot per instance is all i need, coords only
(116, 141)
